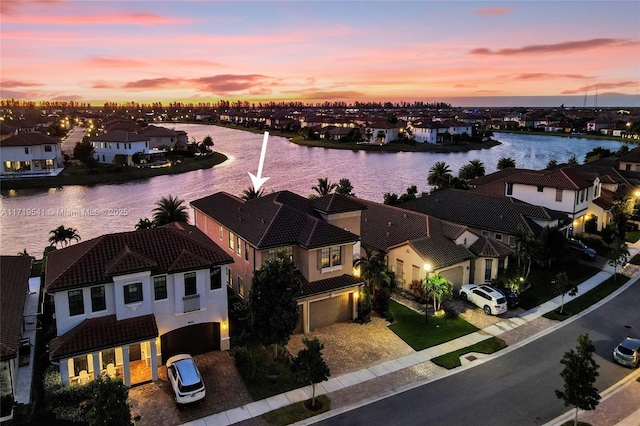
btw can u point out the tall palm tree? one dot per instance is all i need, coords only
(505, 163)
(439, 175)
(324, 187)
(374, 270)
(251, 193)
(345, 188)
(170, 209)
(63, 236)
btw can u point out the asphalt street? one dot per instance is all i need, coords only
(515, 388)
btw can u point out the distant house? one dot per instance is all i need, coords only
(439, 131)
(30, 153)
(126, 302)
(14, 287)
(415, 244)
(161, 137)
(119, 142)
(319, 235)
(381, 132)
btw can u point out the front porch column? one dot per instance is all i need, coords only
(354, 303)
(305, 317)
(126, 368)
(64, 371)
(95, 358)
(154, 360)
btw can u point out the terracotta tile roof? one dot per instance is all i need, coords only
(633, 156)
(104, 332)
(440, 252)
(328, 285)
(488, 247)
(482, 211)
(275, 220)
(29, 139)
(14, 286)
(171, 248)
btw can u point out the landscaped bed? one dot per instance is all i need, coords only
(452, 359)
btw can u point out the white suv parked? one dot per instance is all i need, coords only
(489, 299)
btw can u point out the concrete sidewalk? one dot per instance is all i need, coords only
(365, 376)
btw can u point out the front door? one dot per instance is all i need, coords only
(135, 354)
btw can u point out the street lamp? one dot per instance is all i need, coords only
(427, 268)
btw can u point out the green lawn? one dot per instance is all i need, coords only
(410, 327)
(452, 359)
(589, 298)
(297, 412)
(542, 290)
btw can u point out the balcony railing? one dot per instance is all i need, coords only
(191, 303)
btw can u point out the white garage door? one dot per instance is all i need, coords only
(330, 311)
(455, 276)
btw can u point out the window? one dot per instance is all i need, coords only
(498, 237)
(76, 304)
(47, 148)
(238, 246)
(287, 252)
(415, 273)
(108, 357)
(559, 195)
(216, 278)
(509, 189)
(488, 264)
(26, 149)
(221, 232)
(240, 286)
(98, 301)
(336, 256)
(190, 287)
(232, 240)
(325, 259)
(540, 188)
(246, 251)
(330, 256)
(160, 287)
(229, 277)
(132, 293)
(79, 364)
(485, 233)
(582, 196)
(118, 145)
(627, 167)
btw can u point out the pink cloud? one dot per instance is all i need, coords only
(331, 94)
(543, 76)
(15, 83)
(152, 83)
(67, 98)
(102, 85)
(494, 11)
(229, 83)
(600, 86)
(106, 61)
(134, 18)
(567, 46)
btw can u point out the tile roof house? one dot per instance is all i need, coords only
(119, 142)
(576, 190)
(415, 244)
(30, 153)
(381, 132)
(492, 216)
(133, 299)
(14, 287)
(320, 235)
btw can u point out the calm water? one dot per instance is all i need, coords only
(29, 215)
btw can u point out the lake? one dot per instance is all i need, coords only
(27, 216)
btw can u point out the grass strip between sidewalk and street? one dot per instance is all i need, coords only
(452, 359)
(588, 299)
(410, 326)
(297, 412)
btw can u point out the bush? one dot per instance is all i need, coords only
(364, 306)
(249, 362)
(417, 290)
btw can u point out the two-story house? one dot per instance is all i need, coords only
(381, 132)
(161, 137)
(30, 153)
(493, 216)
(416, 244)
(320, 235)
(119, 142)
(125, 302)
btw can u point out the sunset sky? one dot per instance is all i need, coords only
(464, 52)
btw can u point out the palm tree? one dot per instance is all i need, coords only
(170, 209)
(439, 175)
(251, 193)
(374, 270)
(324, 187)
(505, 163)
(63, 236)
(345, 188)
(144, 224)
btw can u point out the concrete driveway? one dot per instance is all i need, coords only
(155, 403)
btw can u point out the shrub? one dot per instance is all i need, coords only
(364, 306)
(417, 290)
(249, 362)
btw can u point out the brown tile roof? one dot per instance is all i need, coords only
(335, 203)
(29, 139)
(104, 332)
(14, 286)
(482, 211)
(439, 252)
(328, 285)
(633, 156)
(155, 131)
(275, 220)
(488, 247)
(171, 248)
(119, 136)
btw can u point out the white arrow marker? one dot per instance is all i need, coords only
(258, 181)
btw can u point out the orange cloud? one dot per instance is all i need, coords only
(555, 48)
(102, 85)
(494, 11)
(134, 18)
(105, 61)
(618, 85)
(152, 83)
(543, 76)
(331, 94)
(229, 83)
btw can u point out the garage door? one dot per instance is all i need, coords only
(194, 339)
(455, 276)
(330, 311)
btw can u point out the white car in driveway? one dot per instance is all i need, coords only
(489, 299)
(185, 379)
